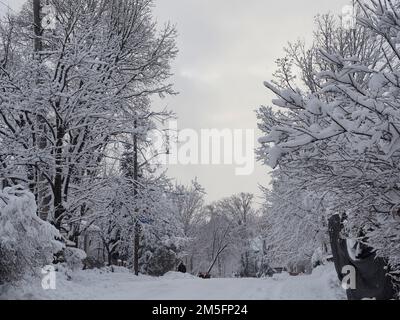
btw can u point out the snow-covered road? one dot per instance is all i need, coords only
(122, 285)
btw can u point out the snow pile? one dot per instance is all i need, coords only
(26, 242)
(281, 276)
(322, 284)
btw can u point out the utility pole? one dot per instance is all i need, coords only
(41, 189)
(37, 47)
(37, 25)
(355, 13)
(136, 185)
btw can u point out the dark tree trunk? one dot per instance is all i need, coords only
(137, 248)
(58, 181)
(372, 280)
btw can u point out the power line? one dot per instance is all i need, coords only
(7, 6)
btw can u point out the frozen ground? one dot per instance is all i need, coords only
(123, 285)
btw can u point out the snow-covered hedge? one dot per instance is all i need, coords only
(27, 243)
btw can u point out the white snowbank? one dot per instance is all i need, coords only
(27, 243)
(123, 285)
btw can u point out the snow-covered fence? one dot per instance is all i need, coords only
(27, 243)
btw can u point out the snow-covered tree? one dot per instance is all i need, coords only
(63, 109)
(295, 223)
(189, 205)
(242, 217)
(162, 235)
(225, 238)
(340, 138)
(214, 243)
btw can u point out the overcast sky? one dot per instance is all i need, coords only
(227, 49)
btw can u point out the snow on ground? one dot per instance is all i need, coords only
(123, 285)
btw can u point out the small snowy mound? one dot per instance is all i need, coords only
(117, 269)
(281, 276)
(178, 276)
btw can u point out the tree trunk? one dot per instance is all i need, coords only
(58, 181)
(216, 258)
(136, 249)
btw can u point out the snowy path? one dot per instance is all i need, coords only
(322, 285)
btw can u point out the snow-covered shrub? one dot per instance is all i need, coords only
(92, 263)
(158, 257)
(27, 243)
(319, 258)
(158, 262)
(74, 258)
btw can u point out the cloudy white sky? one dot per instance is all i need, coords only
(227, 49)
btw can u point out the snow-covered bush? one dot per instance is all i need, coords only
(157, 260)
(27, 243)
(159, 255)
(74, 258)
